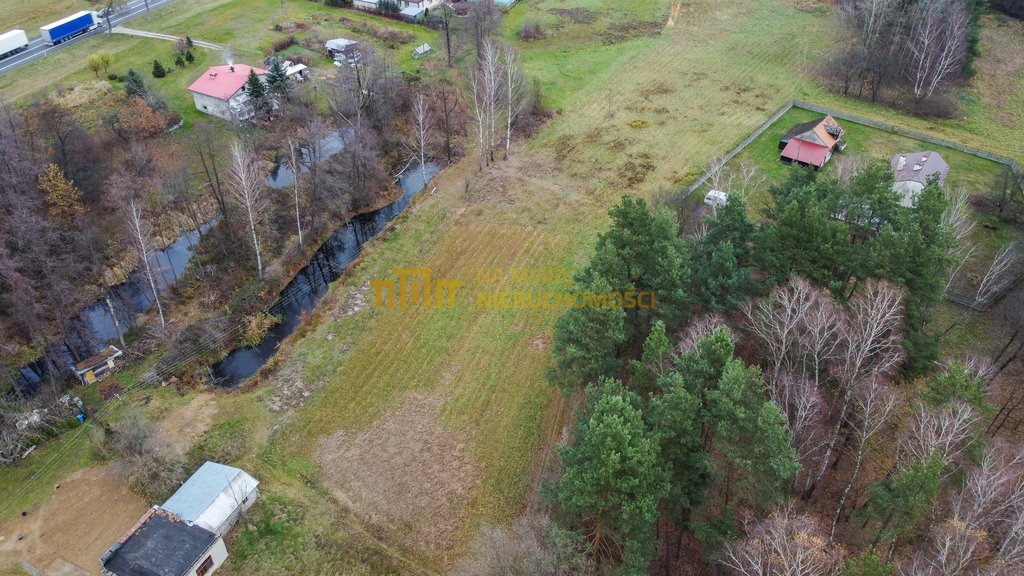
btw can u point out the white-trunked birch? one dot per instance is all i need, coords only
(247, 185)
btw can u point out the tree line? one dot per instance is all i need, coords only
(908, 52)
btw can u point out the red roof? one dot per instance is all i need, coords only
(221, 83)
(806, 152)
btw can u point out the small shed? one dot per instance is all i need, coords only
(96, 367)
(297, 72)
(716, 198)
(421, 51)
(339, 46)
(413, 14)
(214, 497)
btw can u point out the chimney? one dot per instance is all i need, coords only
(902, 163)
(231, 68)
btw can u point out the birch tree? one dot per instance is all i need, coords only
(247, 186)
(999, 273)
(492, 73)
(873, 408)
(142, 238)
(871, 346)
(423, 122)
(785, 544)
(295, 190)
(515, 91)
(936, 45)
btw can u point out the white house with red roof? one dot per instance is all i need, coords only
(219, 92)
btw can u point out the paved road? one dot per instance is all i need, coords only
(38, 49)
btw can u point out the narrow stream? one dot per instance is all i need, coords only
(306, 289)
(93, 328)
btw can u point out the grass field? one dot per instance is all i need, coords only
(30, 15)
(639, 108)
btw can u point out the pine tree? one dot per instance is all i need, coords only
(277, 79)
(256, 90)
(134, 85)
(642, 252)
(63, 199)
(189, 57)
(586, 342)
(613, 480)
(655, 362)
(158, 69)
(179, 61)
(722, 283)
(674, 419)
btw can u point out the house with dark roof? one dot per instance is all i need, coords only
(214, 496)
(162, 544)
(220, 91)
(911, 172)
(812, 143)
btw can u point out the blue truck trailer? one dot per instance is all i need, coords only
(69, 27)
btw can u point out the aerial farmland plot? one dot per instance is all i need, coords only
(469, 309)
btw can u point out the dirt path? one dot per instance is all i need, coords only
(182, 427)
(168, 37)
(68, 534)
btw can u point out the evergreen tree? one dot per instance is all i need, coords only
(158, 69)
(179, 61)
(753, 437)
(674, 419)
(956, 383)
(188, 41)
(277, 79)
(898, 505)
(256, 90)
(189, 57)
(586, 342)
(731, 224)
(613, 480)
(654, 363)
(134, 85)
(63, 199)
(642, 252)
(722, 283)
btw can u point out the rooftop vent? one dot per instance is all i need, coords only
(917, 167)
(924, 159)
(902, 162)
(833, 130)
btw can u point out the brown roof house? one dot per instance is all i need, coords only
(812, 143)
(912, 170)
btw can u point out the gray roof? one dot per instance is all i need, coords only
(918, 167)
(199, 491)
(161, 544)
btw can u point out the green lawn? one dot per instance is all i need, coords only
(29, 15)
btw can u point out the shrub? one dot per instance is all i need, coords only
(531, 30)
(154, 477)
(179, 61)
(338, 3)
(282, 44)
(189, 57)
(158, 69)
(113, 77)
(110, 388)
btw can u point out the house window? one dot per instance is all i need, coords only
(205, 567)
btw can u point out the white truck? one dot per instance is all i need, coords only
(12, 42)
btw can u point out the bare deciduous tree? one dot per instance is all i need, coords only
(870, 347)
(873, 406)
(515, 90)
(936, 45)
(776, 321)
(142, 238)
(247, 185)
(999, 273)
(785, 544)
(422, 125)
(942, 431)
(295, 189)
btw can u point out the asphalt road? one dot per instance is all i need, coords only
(39, 49)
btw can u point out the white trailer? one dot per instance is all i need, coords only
(12, 42)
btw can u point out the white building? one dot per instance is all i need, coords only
(214, 497)
(219, 92)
